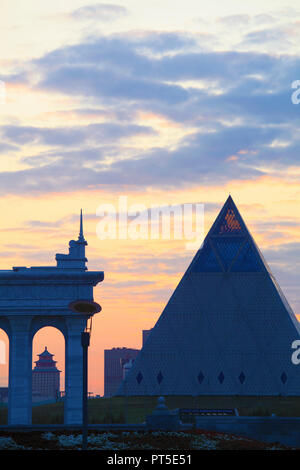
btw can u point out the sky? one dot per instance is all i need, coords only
(164, 102)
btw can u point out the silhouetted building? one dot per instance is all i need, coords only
(146, 333)
(45, 377)
(226, 330)
(117, 364)
(114, 361)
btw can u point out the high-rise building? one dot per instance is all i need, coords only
(226, 330)
(117, 363)
(114, 361)
(45, 377)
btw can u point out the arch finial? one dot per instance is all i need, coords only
(81, 236)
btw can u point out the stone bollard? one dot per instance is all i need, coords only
(162, 418)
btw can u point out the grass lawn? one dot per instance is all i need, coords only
(135, 409)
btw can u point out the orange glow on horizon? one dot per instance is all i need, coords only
(140, 275)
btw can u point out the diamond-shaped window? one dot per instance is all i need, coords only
(139, 377)
(200, 377)
(159, 377)
(221, 377)
(283, 377)
(242, 377)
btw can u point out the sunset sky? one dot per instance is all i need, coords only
(165, 102)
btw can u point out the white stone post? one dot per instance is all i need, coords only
(20, 372)
(73, 392)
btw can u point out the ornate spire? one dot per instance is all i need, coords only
(76, 258)
(81, 236)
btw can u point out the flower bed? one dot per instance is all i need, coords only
(185, 440)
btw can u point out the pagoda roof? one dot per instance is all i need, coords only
(45, 353)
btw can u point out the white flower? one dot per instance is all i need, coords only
(9, 443)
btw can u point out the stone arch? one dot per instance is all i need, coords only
(71, 327)
(40, 322)
(37, 325)
(4, 351)
(5, 326)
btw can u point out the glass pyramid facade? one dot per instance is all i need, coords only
(226, 330)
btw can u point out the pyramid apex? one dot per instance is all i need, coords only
(229, 199)
(229, 220)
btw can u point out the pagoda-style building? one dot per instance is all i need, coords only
(45, 377)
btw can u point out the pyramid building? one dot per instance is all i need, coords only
(226, 330)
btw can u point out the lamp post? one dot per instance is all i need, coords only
(88, 308)
(85, 342)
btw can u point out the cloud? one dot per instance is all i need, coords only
(286, 255)
(41, 224)
(273, 37)
(104, 83)
(271, 34)
(199, 160)
(239, 124)
(114, 70)
(162, 42)
(99, 11)
(72, 136)
(7, 148)
(243, 20)
(112, 284)
(125, 55)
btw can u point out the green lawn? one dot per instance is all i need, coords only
(135, 409)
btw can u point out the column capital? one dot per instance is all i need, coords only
(75, 325)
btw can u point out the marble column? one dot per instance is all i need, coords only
(73, 398)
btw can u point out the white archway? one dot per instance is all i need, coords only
(32, 298)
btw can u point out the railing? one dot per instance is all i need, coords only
(185, 414)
